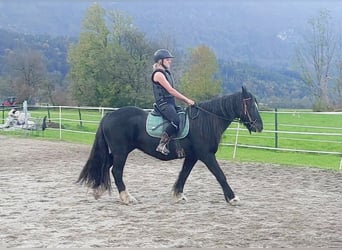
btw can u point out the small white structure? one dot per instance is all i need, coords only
(20, 120)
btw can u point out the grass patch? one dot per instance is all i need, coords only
(280, 157)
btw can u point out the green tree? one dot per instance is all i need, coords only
(135, 67)
(200, 78)
(88, 58)
(109, 63)
(315, 58)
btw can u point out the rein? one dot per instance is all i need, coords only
(245, 111)
(208, 112)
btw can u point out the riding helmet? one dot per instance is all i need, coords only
(162, 54)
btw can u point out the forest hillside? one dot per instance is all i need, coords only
(254, 41)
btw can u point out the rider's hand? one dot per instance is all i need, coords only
(190, 102)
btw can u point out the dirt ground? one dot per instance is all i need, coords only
(41, 206)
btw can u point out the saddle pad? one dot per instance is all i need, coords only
(155, 125)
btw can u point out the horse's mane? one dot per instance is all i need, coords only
(212, 117)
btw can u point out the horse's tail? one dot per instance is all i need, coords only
(96, 172)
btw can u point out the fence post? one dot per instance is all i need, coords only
(60, 122)
(236, 140)
(3, 113)
(48, 110)
(276, 128)
(80, 116)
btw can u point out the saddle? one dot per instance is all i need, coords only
(156, 123)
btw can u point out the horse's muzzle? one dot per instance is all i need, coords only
(254, 126)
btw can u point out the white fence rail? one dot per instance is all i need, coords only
(309, 134)
(328, 135)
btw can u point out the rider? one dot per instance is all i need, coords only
(165, 95)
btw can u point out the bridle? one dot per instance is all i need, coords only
(251, 122)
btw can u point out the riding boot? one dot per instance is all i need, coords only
(164, 140)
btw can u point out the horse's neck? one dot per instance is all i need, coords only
(231, 106)
(225, 108)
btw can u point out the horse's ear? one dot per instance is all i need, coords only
(244, 90)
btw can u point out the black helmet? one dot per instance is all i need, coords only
(162, 54)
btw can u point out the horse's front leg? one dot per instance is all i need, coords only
(119, 161)
(178, 187)
(212, 164)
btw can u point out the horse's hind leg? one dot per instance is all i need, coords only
(178, 187)
(119, 160)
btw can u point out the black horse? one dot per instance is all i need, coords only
(123, 130)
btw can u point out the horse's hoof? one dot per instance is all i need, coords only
(96, 196)
(126, 198)
(130, 201)
(235, 201)
(179, 198)
(97, 193)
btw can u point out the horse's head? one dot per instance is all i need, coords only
(249, 115)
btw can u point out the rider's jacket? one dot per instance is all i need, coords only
(161, 95)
